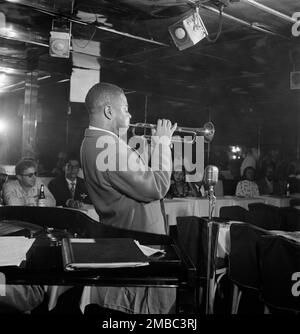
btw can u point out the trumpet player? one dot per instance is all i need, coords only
(127, 199)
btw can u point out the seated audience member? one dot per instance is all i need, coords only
(247, 186)
(21, 298)
(268, 185)
(26, 188)
(180, 187)
(61, 161)
(69, 190)
(18, 298)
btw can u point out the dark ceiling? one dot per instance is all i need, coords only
(240, 81)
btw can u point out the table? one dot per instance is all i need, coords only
(181, 207)
(279, 201)
(191, 206)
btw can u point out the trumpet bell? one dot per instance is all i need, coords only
(209, 132)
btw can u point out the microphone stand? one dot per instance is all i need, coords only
(211, 204)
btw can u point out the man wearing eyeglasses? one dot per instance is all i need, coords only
(69, 190)
(25, 189)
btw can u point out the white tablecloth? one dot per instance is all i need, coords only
(191, 206)
(279, 201)
(182, 207)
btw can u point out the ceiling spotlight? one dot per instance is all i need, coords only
(59, 45)
(60, 38)
(188, 31)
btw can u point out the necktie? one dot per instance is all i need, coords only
(72, 189)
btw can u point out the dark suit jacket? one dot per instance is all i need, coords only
(60, 190)
(278, 188)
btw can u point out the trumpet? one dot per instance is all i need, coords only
(207, 132)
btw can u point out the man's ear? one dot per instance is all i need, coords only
(108, 112)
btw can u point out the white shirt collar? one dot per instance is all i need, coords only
(100, 129)
(70, 182)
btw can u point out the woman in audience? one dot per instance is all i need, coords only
(247, 186)
(180, 187)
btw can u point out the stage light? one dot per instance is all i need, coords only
(188, 31)
(3, 126)
(59, 45)
(60, 38)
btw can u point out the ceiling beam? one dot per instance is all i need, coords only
(270, 11)
(253, 26)
(74, 19)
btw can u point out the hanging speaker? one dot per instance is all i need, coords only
(188, 31)
(59, 45)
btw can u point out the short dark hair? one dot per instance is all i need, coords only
(72, 156)
(100, 95)
(246, 169)
(24, 164)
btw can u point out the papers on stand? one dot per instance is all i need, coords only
(13, 250)
(148, 251)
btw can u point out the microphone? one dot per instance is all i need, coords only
(210, 176)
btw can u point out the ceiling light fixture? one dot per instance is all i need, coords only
(60, 38)
(188, 31)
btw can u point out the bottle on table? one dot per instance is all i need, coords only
(42, 197)
(288, 190)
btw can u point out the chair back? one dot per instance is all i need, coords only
(234, 212)
(243, 260)
(192, 237)
(3, 179)
(290, 219)
(280, 272)
(46, 179)
(264, 216)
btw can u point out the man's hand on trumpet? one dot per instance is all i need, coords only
(164, 128)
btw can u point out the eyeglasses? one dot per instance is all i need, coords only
(72, 167)
(30, 174)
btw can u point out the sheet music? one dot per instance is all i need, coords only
(13, 250)
(148, 251)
